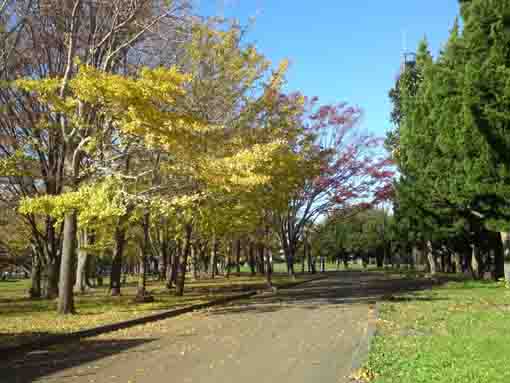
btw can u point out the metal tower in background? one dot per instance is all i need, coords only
(408, 58)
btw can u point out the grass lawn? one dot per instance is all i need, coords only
(455, 333)
(24, 319)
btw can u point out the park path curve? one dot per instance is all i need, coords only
(317, 332)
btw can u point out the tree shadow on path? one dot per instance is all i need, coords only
(34, 366)
(339, 288)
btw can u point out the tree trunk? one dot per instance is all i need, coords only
(388, 255)
(170, 272)
(228, 257)
(441, 264)
(238, 257)
(91, 280)
(411, 258)
(379, 257)
(153, 265)
(419, 258)
(449, 263)
(81, 272)
(457, 263)
(194, 260)
(141, 292)
(499, 257)
(397, 259)
(67, 264)
(173, 270)
(35, 289)
(261, 260)
(476, 262)
(203, 259)
(252, 259)
(346, 261)
(269, 269)
(164, 261)
(424, 253)
(51, 278)
(213, 257)
(290, 260)
(183, 260)
(85, 239)
(310, 261)
(49, 257)
(115, 275)
(431, 259)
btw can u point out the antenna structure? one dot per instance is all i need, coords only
(408, 58)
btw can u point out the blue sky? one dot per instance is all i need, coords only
(342, 50)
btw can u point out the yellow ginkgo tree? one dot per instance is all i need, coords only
(96, 106)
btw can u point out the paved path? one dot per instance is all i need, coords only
(313, 333)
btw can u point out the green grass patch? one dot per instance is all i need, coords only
(24, 319)
(455, 333)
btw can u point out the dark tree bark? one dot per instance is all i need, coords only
(441, 264)
(35, 289)
(238, 257)
(47, 246)
(171, 269)
(410, 257)
(269, 269)
(448, 264)
(164, 262)
(51, 278)
(499, 256)
(313, 265)
(252, 261)
(183, 260)
(115, 276)
(52, 264)
(388, 255)
(346, 261)
(397, 259)
(310, 260)
(260, 260)
(194, 260)
(204, 260)
(379, 257)
(290, 253)
(141, 291)
(141, 294)
(228, 259)
(65, 297)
